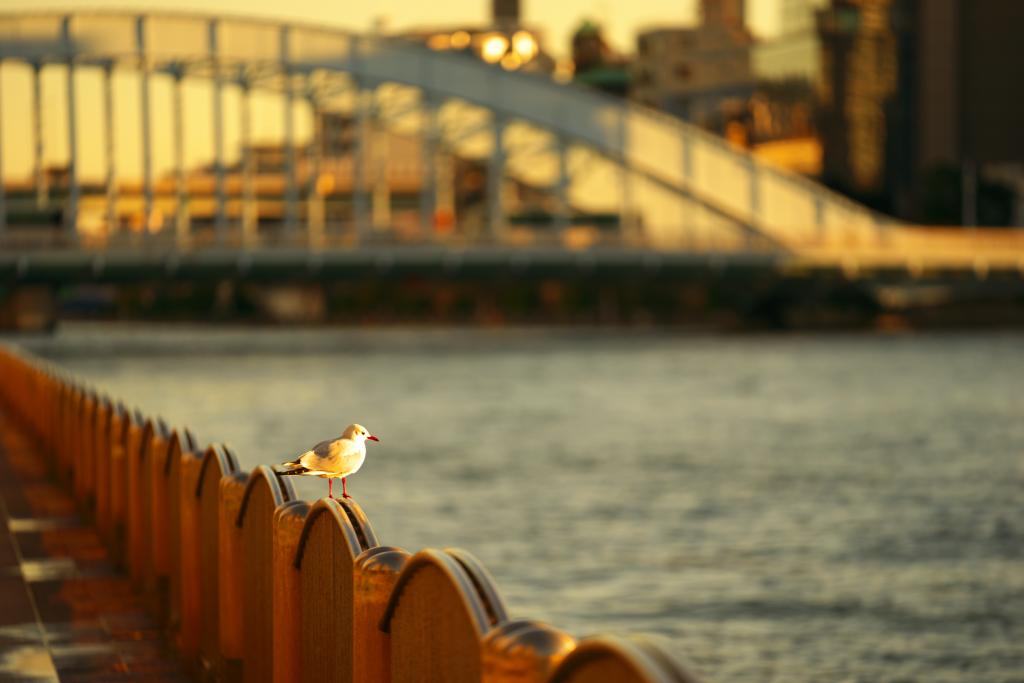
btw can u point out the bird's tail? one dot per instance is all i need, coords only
(295, 470)
(293, 467)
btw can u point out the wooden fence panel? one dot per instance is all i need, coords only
(98, 451)
(69, 444)
(165, 447)
(229, 577)
(443, 606)
(61, 451)
(624, 660)
(138, 522)
(81, 448)
(376, 572)
(183, 448)
(289, 520)
(189, 543)
(154, 457)
(524, 651)
(86, 470)
(112, 450)
(218, 463)
(335, 533)
(119, 464)
(264, 492)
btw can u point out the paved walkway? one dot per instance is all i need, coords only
(66, 613)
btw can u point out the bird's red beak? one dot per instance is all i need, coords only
(371, 437)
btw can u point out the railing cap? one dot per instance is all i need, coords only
(468, 577)
(348, 517)
(281, 491)
(651, 661)
(219, 456)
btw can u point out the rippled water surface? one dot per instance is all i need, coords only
(783, 508)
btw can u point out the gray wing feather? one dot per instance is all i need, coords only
(324, 448)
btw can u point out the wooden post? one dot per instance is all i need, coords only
(87, 443)
(335, 533)
(231, 492)
(183, 448)
(218, 463)
(623, 660)
(119, 464)
(442, 607)
(154, 455)
(113, 451)
(138, 523)
(264, 492)
(190, 535)
(161, 452)
(376, 571)
(289, 520)
(523, 651)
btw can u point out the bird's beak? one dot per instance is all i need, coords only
(371, 437)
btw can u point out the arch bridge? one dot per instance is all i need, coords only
(380, 141)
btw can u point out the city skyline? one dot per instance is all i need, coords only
(621, 21)
(552, 21)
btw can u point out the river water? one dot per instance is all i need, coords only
(781, 508)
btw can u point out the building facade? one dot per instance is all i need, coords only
(917, 107)
(696, 72)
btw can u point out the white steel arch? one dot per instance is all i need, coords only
(675, 185)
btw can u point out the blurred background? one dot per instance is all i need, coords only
(695, 318)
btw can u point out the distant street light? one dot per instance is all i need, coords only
(524, 45)
(493, 48)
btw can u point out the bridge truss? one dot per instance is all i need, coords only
(577, 156)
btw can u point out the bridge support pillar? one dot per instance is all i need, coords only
(291, 208)
(755, 197)
(627, 222)
(496, 181)
(147, 137)
(379, 155)
(563, 217)
(360, 212)
(220, 223)
(250, 207)
(181, 218)
(3, 192)
(428, 152)
(688, 177)
(108, 131)
(42, 184)
(821, 230)
(314, 197)
(71, 207)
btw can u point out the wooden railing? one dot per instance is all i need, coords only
(253, 584)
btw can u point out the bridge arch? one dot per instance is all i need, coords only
(568, 151)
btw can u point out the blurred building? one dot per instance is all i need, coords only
(917, 105)
(794, 52)
(698, 73)
(595, 64)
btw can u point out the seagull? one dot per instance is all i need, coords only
(341, 457)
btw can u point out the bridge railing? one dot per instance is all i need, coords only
(680, 184)
(254, 585)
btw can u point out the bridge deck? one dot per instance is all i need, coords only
(67, 613)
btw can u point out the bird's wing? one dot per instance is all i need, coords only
(323, 457)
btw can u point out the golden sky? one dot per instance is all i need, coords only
(557, 18)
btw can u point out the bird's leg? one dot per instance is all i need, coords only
(344, 489)
(330, 489)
